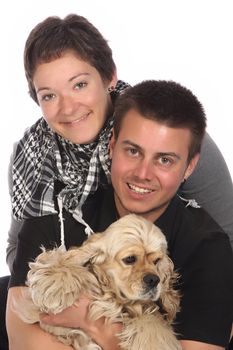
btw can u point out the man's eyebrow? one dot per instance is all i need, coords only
(157, 154)
(130, 143)
(168, 154)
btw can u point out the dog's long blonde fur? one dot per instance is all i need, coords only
(127, 273)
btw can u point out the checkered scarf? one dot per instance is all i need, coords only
(43, 156)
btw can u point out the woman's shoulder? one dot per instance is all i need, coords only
(37, 140)
(33, 135)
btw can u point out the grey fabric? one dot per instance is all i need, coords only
(211, 186)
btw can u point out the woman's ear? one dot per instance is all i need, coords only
(191, 166)
(114, 79)
(111, 145)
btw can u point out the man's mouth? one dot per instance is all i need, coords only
(139, 190)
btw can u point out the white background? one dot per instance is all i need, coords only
(189, 41)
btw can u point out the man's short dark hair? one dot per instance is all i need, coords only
(53, 37)
(165, 102)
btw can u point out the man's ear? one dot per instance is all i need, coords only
(111, 145)
(191, 166)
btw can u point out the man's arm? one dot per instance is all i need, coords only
(24, 336)
(196, 345)
(69, 317)
(76, 316)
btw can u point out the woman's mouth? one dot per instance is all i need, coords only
(78, 120)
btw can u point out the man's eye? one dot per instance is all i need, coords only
(165, 161)
(132, 151)
(129, 260)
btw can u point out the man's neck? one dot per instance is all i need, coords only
(151, 215)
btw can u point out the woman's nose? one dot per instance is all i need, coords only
(67, 105)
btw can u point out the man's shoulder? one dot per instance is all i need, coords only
(187, 230)
(181, 215)
(188, 214)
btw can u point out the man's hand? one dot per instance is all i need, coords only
(76, 316)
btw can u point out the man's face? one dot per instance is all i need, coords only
(149, 162)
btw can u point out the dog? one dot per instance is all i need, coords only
(127, 274)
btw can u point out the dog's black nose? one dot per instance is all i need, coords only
(151, 280)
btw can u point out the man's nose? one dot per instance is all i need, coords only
(144, 170)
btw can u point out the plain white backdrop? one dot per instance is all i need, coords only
(189, 41)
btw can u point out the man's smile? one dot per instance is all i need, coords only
(140, 190)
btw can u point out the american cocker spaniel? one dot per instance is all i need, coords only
(129, 277)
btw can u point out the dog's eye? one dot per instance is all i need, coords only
(156, 261)
(129, 260)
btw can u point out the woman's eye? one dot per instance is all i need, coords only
(80, 85)
(129, 260)
(47, 97)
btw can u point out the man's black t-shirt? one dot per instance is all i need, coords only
(200, 250)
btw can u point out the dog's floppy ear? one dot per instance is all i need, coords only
(56, 280)
(92, 250)
(170, 297)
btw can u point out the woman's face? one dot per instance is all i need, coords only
(73, 97)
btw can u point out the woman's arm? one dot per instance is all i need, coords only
(211, 186)
(15, 227)
(24, 336)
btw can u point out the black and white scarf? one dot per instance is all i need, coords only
(43, 156)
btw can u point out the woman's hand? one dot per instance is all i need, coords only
(76, 316)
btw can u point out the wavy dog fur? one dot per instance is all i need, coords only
(127, 273)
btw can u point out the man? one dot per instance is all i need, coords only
(158, 131)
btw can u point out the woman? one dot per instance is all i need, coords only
(70, 143)
(72, 76)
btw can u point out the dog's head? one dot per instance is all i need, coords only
(130, 258)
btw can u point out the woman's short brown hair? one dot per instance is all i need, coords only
(54, 36)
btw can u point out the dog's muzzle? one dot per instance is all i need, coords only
(151, 281)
